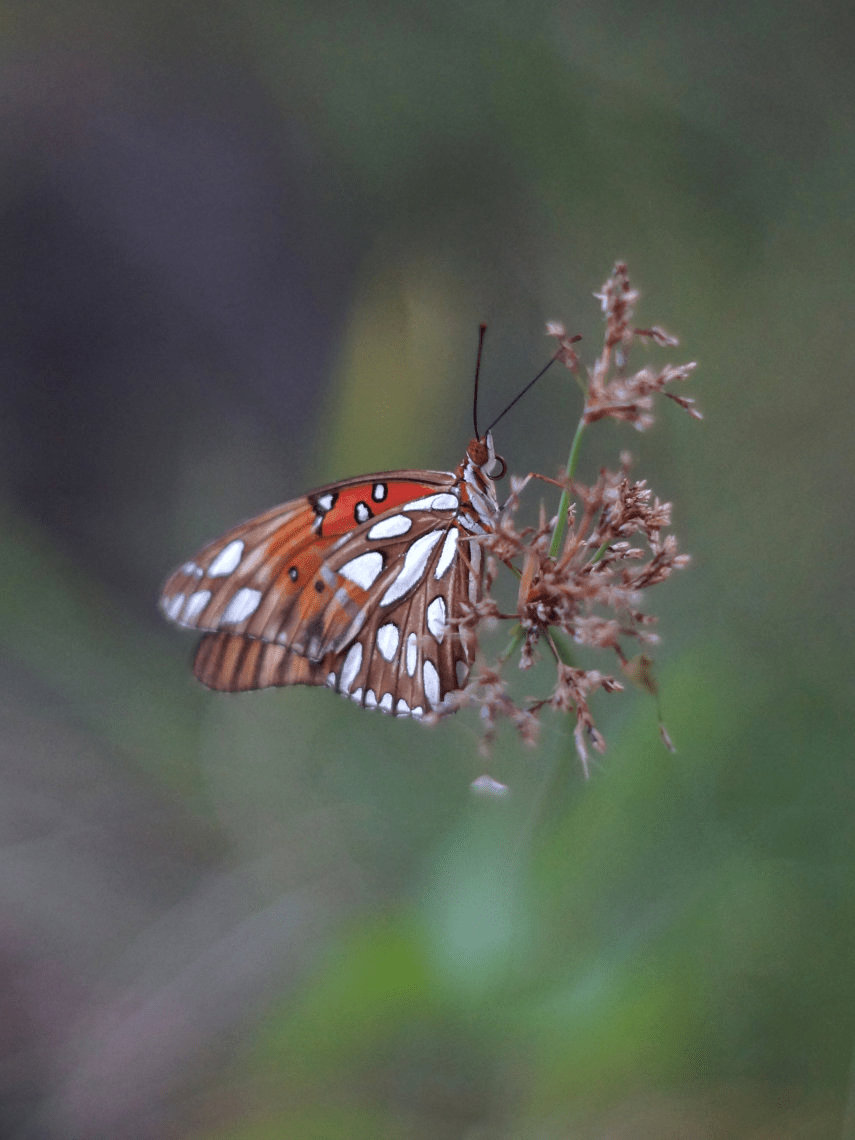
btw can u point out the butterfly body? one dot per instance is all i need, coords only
(358, 585)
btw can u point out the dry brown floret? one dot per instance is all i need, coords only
(582, 577)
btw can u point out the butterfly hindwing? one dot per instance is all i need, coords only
(233, 664)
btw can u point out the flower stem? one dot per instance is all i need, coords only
(562, 645)
(561, 520)
(516, 640)
(603, 548)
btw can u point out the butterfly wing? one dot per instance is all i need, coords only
(268, 578)
(360, 585)
(404, 651)
(412, 649)
(234, 664)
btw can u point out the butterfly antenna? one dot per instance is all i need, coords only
(520, 395)
(481, 332)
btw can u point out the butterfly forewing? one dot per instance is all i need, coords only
(268, 578)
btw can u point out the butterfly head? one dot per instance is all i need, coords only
(482, 454)
(476, 473)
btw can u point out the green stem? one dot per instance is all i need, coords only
(553, 789)
(562, 644)
(516, 640)
(561, 521)
(600, 552)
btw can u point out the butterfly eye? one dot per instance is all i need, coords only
(503, 468)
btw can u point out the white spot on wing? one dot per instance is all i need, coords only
(363, 569)
(172, 606)
(402, 708)
(371, 699)
(351, 667)
(195, 604)
(391, 527)
(192, 569)
(461, 670)
(446, 555)
(325, 502)
(475, 573)
(412, 653)
(442, 502)
(331, 680)
(356, 695)
(387, 640)
(417, 713)
(436, 618)
(227, 560)
(415, 562)
(431, 680)
(242, 605)
(386, 703)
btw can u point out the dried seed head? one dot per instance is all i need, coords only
(588, 593)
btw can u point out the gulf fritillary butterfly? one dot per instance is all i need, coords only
(358, 586)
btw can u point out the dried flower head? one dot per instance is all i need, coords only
(582, 572)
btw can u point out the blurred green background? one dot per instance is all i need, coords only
(244, 249)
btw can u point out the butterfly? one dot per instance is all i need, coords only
(359, 585)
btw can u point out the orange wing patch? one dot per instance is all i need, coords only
(356, 505)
